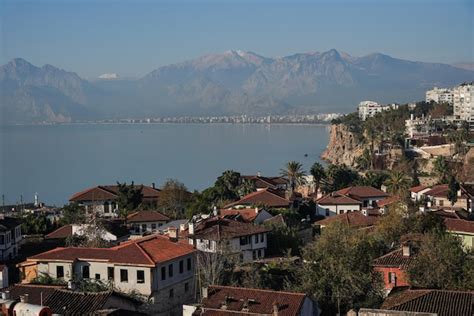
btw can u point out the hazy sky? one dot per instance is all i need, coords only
(135, 37)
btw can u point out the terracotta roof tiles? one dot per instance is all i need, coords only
(459, 225)
(393, 259)
(222, 228)
(265, 197)
(257, 301)
(147, 216)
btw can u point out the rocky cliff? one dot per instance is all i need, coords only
(344, 147)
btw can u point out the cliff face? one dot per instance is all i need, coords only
(344, 146)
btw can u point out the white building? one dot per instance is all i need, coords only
(463, 105)
(4, 276)
(141, 222)
(10, 237)
(368, 109)
(440, 95)
(418, 126)
(159, 268)
(220, 235)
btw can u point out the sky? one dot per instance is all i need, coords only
(132, 38)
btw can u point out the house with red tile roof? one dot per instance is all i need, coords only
(336, 204)
(253, 215)
(416, 193)
(59, 299)
(219, 235)
(463, 229)
(111, 232)
(437, 196)
(427, 302)
(159, 268)
(229, 300)
(393, 266)
(103, 198)
(142, 221)
(350, 199)
(265, 197)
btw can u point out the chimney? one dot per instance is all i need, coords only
(256, 210)
(259, 174)
(153, 185)
(204, 292)
(275, 308)
(173, 233)
(191, 228)
(406, 249)
(6, 295)
(182, 227)
(24, 298)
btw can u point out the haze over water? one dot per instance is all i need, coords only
(57, 161)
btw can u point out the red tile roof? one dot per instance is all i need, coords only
(337, 199)
(388, 201)
(418, 188)
(221, 228)
(147, 251)
(459, 225)
(110, 192)
(247, 214)
(361, 192)
(265, 197)
(257, 301)
(440, 302)
(353, 219)
(60, 233)
(266, 182)
(34, 291)
(394, 259)
(147, 216)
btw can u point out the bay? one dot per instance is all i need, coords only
(57, 161)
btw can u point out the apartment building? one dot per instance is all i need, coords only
(440, 95)
(368, 109)
(463, 106)
(10, 237)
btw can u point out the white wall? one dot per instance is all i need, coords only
(336, 209)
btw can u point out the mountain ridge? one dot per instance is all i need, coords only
(230, 83)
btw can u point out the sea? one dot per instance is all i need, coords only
(58, 160)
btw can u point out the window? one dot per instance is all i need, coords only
(171, 293)
(243, 240)
(392, 277)
(2, 239)
(254, 255)
(256, 239)
(85, 272)
(181, 266)
(327, 212)
(123, 275)
(186, 287)
(259, 253)
(136, 228)
(110, 273)
(97, 276)
(170, 270)
(189, 264)
(163, 273)
(59, 272)
(262, 237)
(153, 226)
(143, 227)
(140, 276)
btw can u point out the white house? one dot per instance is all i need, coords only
(221, 235)
(368, 109)
(335, 204)
(159, 268)
(10, 237)
(146, 221)
(103, 198)
(107, 234)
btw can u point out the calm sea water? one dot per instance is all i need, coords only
(57, 161)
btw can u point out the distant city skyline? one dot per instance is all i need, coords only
(133, 38)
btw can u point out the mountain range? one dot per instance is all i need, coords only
(230, 83)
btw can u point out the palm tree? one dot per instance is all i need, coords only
(318, 173)
(294, 173)
(398, 183)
